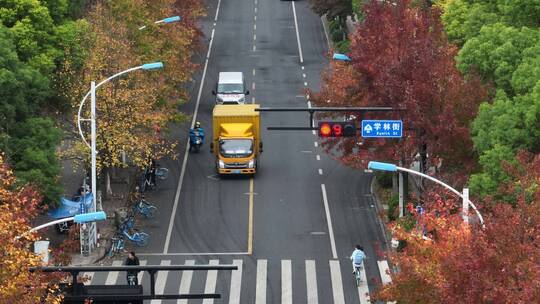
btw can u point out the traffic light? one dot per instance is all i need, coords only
(337, 129)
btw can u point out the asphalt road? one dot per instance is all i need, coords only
(293, 226)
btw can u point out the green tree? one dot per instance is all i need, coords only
(497, 51)
(463, 19)
(32, 151)
(22, 88)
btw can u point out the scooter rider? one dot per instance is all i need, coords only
(193, 136)
(357, 257)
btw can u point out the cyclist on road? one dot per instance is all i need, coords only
(132, 260)
(357, 257)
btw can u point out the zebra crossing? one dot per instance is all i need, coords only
(256, 281)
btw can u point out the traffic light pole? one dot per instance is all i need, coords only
(312, 111)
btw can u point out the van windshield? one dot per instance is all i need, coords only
(235, 148)
(230, 88)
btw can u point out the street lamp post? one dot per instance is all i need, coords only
(464, 196)
(166, 20)
(92, 119)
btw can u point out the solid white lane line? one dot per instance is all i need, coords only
(217, 10)
(337, 284)
(260, 290)
(363, 290)
(311, 282)
(297, 34)
(186, 152)
(140, 274)
(286, 282)
(329, 221)
(236, 283)
(112, 277)
(211, 280)
(383, 270)
(161, 280)
(320, 172)
(318, 157)
(185, 282)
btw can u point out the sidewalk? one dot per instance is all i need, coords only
(71, 179)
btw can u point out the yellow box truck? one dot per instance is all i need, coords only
(236, 138)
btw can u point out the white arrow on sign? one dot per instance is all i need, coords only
(368, 129)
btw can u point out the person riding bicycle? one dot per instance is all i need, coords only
(132, 260)
(195, 132)
(357, 257)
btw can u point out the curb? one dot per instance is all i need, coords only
(379, 207)
(324, 21)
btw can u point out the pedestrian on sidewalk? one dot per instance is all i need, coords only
(132, 260)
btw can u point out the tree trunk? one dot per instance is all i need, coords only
(108, 188)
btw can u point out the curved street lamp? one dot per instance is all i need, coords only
(341, 57)
(166, 20)
(79, 219)
(92, 119)
(464, 196)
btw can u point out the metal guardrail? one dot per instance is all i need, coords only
(77, 290)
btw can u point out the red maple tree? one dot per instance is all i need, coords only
(401, 58)
(466, 264)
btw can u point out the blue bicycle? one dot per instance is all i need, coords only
(144, 208)
(138, 237)
(117, 245)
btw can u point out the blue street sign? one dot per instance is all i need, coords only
(382, 128)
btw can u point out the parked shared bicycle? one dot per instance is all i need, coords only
(117, 245)
(138, 237)
(144, 208)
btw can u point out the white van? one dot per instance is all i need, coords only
(230, 88)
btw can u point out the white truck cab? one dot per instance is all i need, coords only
(230, 88)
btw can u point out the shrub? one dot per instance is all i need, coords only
(393, 211)
(343, 46)
(384, 179)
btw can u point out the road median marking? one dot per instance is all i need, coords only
(250, 218)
